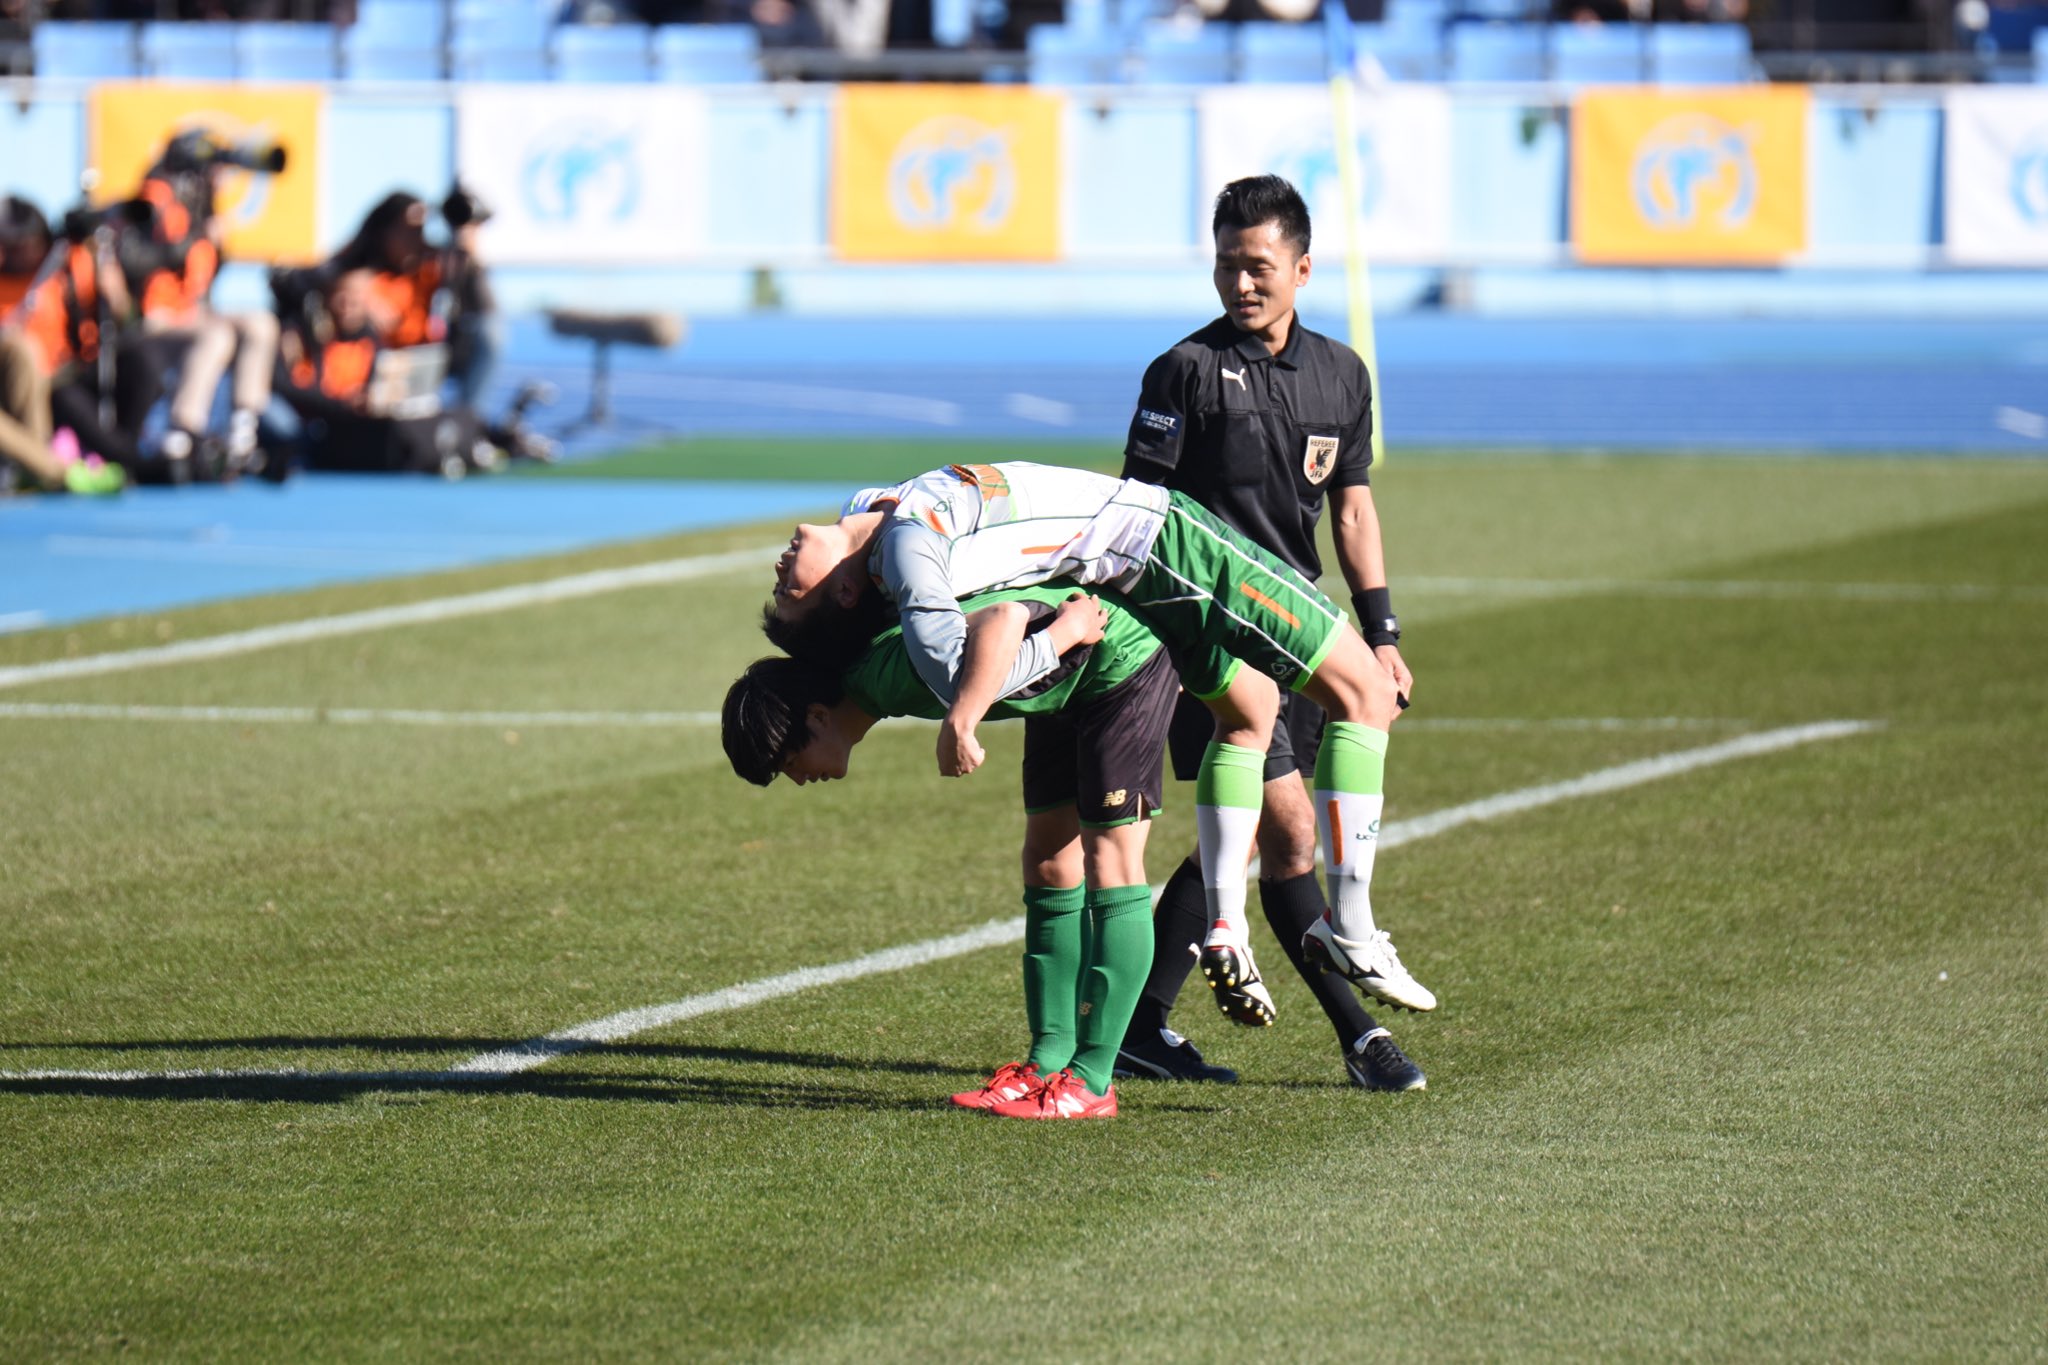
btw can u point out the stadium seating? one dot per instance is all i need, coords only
(2041, 56)
(285, 52)
(85, 51)
(1417, 16)
(1065, 56)
(394, 40)
(707, 54)
(1174, 54)
(1596, 54)
(1497, 52)
(1699, 54)
(614, 53)
(190, 52)
(1282, 52)
(499, 42)
(952, 22)
(1411, 54)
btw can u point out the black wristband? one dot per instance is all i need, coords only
(1374, 609)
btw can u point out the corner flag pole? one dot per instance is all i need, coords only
(1357, 276)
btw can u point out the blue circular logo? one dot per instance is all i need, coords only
(581, 174)
(2030, 180)
(1692, 170)
(1313, 171)
(952, 171)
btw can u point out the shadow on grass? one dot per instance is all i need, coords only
(820, 1061)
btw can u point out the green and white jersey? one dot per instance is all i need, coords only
(968, 529)
(885, 683)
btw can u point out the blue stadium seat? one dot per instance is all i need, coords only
(1415, 15)
(371, 57)
(501, 42)
(85, 51)
(1500, 11)
(1497, 52)
(613, 53)
(952, 22)
(1415, 54)
(1064, 56)
(189, 52)
(1176, 54)
(1282, 53)
(1596, 54)
(285, 52)
(2041, 56)
(1699, 54)
(707, 54)
(402, 24)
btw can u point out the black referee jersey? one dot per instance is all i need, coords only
(1256, 438)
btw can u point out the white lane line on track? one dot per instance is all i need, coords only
(352, 715)
(1734, 588)
(995, 933)
(510, 598)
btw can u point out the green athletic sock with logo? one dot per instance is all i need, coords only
(1229, 790)
(1350, 768)
(1052, 971)
(1119, 957)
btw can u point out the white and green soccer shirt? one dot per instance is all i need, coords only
(968, 529)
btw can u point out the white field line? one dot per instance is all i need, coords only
(515, 720)
(384, 618)
(612, 1028)
(1728, 588)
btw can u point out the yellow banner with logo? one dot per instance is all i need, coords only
(267, 217)
(1689, 177)
(925, 173)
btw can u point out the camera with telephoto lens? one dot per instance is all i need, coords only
(82, 220)
(462, 207)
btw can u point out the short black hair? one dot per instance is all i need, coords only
(23, 224)
(764, 720)
(825, 635)
(1263, 199)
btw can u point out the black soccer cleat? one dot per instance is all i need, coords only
(1376, 1064)
(1163, 1055)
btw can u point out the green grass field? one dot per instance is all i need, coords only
(1745, 1063)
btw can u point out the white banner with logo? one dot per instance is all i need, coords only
(585, 175)
(1995, 177)
(1404, 159)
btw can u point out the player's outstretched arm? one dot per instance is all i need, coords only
(995, 635)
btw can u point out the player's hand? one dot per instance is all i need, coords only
(1081, 621)
(960, 753)
(1391, 660)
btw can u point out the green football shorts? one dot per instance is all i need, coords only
(1206, 587)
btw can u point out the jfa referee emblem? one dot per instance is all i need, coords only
(1321, 458)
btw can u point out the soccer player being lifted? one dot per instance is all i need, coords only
(1199, 585)
(1094, 764)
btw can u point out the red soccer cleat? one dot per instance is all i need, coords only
(1012, 1081)
(1064, 1096)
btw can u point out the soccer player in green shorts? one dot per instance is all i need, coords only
(923, 544)
(1094, 751)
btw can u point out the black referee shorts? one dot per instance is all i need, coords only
(1108, 759)
(1297, 734)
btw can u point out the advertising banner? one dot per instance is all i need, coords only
(929, 173)
(1404, 162)
(1995, 176)
(267, 217)
(585, 175)
(1689, 177)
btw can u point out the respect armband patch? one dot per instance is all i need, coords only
(1165, 423)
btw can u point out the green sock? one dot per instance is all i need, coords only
(1119, 958)
(1052, 971)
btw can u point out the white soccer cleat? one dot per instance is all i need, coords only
(1240, 994)
(1371, 964)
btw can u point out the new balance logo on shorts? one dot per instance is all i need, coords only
(1115, 798)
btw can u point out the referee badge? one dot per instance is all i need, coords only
(1321, 458)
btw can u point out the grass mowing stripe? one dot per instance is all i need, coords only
(384, 618)
(995, 933)
(1731, 588)
(351, 715)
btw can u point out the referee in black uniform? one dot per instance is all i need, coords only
(1258, 419)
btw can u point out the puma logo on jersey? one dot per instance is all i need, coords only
(1238, 375)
